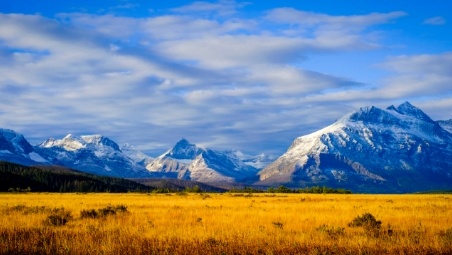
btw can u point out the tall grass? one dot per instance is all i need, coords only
(225, 224)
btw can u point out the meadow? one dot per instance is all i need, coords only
(228, 223)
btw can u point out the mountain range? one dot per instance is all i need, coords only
(99, 155)
(392, 150)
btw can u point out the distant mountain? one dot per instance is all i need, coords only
(399, 149)
(95, 154)
(60, 179)
(189, 162)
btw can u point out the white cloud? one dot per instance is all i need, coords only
(435, 21)
(227, 82)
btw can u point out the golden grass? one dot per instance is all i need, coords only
(227, 224)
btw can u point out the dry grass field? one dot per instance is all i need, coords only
(224, 224)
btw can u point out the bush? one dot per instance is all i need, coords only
(121, 208)
(332, 232)
(368, 222)
(106, 211)
(103, 212)
(446, 237)
(278, 224)
(88, 214)
(59, 218)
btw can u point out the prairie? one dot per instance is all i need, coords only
(225, 224)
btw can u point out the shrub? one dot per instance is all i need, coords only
(106, 211)
(121, 208)
(59, 218)
(19, 208)
(368, 222)
(103, 212)
(88, 214)
(446, 237)
(332, 232)
(278, 225)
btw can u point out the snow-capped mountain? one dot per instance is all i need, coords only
(394, 150)
(95, 154)
(15, 148)
(187, 161)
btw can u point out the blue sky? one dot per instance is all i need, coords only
(226, 74)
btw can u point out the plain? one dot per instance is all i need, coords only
(227, 223)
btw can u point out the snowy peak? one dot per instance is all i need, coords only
(100, 140)
(96, 154)
(410, 110)
(203, 164)
(184, 150)
(390, 116)
(73, 143)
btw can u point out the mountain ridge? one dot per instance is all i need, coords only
(370, 147)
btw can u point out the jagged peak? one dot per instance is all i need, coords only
(183, 149)
(410, 110)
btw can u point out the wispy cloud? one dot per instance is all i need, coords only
(435, 21)
(222, 7)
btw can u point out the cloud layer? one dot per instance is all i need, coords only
(199, 71)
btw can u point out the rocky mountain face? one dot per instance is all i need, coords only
(95, 154)
(399, 149)
(189, 162)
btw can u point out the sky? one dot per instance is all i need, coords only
(227, 75)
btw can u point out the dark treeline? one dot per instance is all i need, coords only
(17, 178)
(282, 189)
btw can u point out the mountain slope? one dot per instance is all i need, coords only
(370, 150)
